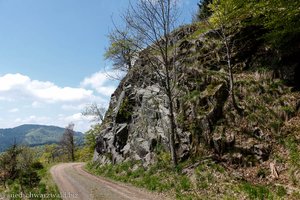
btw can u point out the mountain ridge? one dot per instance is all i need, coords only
(33, 135)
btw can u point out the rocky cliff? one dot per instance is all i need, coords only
(136, 125)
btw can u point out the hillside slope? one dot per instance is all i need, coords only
(259, 145)
(33, 135)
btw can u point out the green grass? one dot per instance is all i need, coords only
(257, 191)
(139, 177)
(293, 148)
(47, 184)
(162, 177)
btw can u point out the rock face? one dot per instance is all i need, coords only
(137, 121)
(137, 125)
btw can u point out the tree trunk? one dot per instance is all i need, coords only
(230, 74)
(173, 124)
(72, 154)
(72, 148)
(172, 136)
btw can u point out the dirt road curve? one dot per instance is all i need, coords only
(75, 183)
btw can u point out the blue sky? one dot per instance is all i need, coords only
(51, 58)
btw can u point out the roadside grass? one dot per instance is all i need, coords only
(201, 182)
(47, 183)
(160, 177)
(207, 180)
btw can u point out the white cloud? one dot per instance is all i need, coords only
(99, 81)
(28, 101)
(36, 104)
(11, 81)
(75, 117)
(73, 107)
(82, 123)
(20, 86)
(32, 120)
(13, 110)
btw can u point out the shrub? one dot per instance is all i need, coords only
(37, 165)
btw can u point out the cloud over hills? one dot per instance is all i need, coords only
(24, 100)
(20, 86)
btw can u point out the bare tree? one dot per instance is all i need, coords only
(152, 21)
(95, 111)
(67, 142)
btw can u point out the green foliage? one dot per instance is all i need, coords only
(280, 17)
(37, 165)
(226, 13)
(90, 137)
(122, 49)
(29, 174)
(125, 111)
(203, 10)
(84, 154)
(8, 164)
(50, 154)
(29, 178)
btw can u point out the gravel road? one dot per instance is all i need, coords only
(75, 183)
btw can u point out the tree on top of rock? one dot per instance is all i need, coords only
(122, 50)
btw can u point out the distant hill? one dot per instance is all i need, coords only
(33, 135)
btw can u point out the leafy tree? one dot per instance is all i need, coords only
(203, 10)
(5, 166)
(226, 20)
(280, 17)
(90, 137)
(17, 164)
(50, 153)
(8, 164)
(122, 49)
(29, 179)
(27, 166)
(25, 158)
